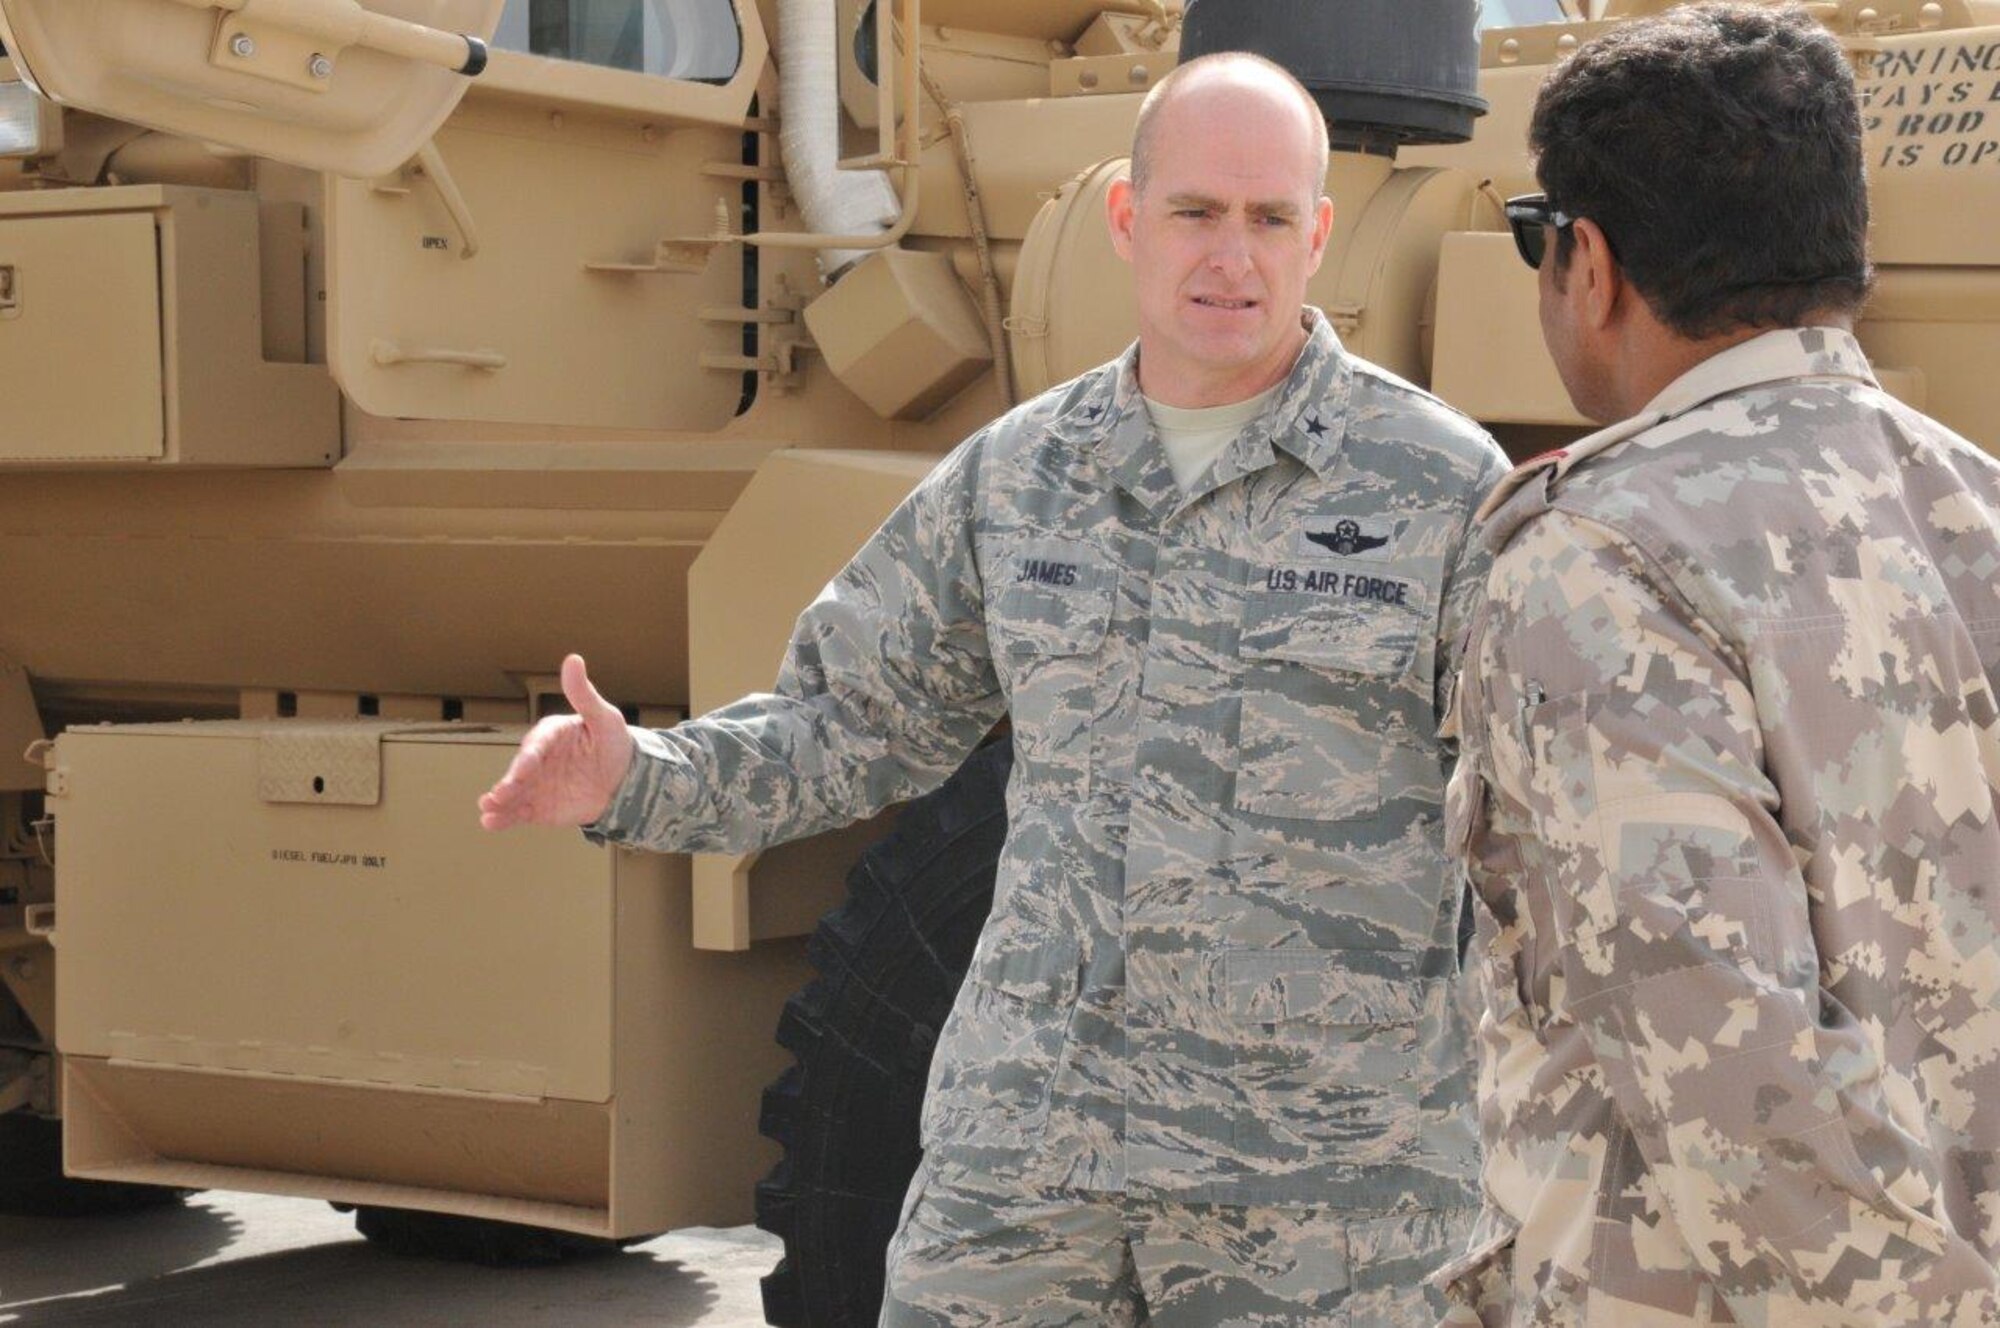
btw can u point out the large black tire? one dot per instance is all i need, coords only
(456, 1239)
(32, 1183)
(890, 962)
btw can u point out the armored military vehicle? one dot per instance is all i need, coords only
(357, 360)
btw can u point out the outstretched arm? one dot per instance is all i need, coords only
(887, 684)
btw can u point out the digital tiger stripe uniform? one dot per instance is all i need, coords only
(1222, 962)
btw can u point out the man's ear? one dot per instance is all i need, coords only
(1322, 230)
(1120, 205)
(1591, 262)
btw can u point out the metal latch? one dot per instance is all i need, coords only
(10, 291)
(335, 764)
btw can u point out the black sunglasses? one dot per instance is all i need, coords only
(1527, 216)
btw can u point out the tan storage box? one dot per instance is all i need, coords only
(288, 959)
(900, 333)
(135, 323)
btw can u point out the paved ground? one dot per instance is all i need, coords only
(238, 1260)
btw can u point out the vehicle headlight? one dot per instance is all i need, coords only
(28, 124)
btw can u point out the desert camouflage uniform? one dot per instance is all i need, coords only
(1222, 954)
(1728, 795)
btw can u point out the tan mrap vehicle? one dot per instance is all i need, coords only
(358, 360)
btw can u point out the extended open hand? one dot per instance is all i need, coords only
(569, 766)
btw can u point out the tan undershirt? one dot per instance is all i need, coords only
(1195, 438)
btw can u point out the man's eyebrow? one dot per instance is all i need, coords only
(1272, 208)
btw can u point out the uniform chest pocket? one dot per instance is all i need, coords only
(1047, 620)
(1328, 687)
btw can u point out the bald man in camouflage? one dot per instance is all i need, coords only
(1731, 754)
(1207, 1068)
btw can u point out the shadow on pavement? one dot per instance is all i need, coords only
(352, 1283)
(42, 1257)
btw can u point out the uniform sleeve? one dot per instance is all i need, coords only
(1464, 587)
(886, 686)
(1623, 727)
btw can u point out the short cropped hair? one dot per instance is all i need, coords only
(1145, 133)
(1718, 147)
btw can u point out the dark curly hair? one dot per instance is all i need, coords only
(1718, 147)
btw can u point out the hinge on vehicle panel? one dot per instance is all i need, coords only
(267, 50)
(716, 313)
(738, 170)
(780, 347)
(779, 364)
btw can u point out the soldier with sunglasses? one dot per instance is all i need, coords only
(1729, 789)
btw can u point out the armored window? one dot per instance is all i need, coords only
(690, 39)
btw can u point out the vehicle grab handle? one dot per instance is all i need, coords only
(344, 23)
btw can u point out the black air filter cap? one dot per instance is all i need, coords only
(1384, 72)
